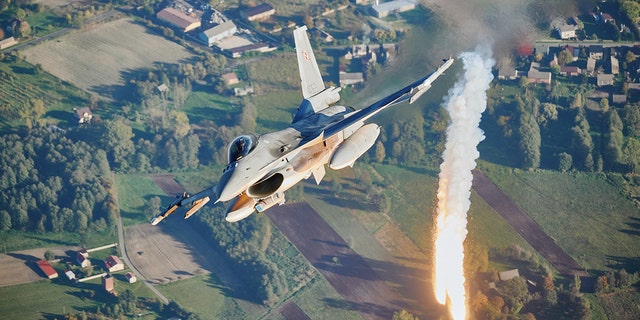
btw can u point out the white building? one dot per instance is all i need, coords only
(218, 32)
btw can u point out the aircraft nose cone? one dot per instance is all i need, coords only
(225, 193)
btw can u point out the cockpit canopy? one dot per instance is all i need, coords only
(241, 146)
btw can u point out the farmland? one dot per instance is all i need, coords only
(121, 46)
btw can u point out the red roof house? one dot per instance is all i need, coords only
(47, 269)
(113, 263)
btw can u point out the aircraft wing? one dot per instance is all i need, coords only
(411, 92)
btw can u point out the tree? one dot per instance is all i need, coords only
(515, 293)
(403, 315)
(24, 29)
(631, 155)
(530, 141)
(49, 255)
(380, 152)
(632, 120)
(5, 220)
(153, 207)
(118, 140)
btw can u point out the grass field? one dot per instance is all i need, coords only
(20, 83)
(204, 105)
(204, 295)
(586, 215)
(119, 46)
(133, 193)
(52, 298)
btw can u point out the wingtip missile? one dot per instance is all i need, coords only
(170, 209)
(418, 91)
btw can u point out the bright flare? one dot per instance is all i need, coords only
(465, 103)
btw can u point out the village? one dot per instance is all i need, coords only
(80, 268)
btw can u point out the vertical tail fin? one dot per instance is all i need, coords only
(312, 82)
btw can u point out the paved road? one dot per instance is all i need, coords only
(123, 249)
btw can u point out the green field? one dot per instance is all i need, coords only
(585, 214)
(21, 82)
(52, 298)
(134, 191)
(205, 296)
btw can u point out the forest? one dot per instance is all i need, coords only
(51, 183)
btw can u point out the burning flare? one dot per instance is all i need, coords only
(465, 103)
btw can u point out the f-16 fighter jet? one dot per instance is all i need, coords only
(262, 167)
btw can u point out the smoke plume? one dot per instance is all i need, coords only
(465, 103)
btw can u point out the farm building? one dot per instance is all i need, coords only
(47, 269)
(507, 72)
(591, 65)
(131, 277)
(350, 78)
(604, 79)
(392, 7)
(218, 32)
(570, 71)
(537, 76)
(179, 19)
(508, 275)
(258, 13)
(113, 263)
(70, 275)
(240, 92)
(108, 285)
(82, 257)
(8, 42)
(84, 115)
(615, 65)
(230, 78)
(619, 98)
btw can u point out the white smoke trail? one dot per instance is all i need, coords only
(465, 103)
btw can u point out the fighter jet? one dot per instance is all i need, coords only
(262, 167)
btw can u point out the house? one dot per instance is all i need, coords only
(508, 275)
(47, 269)
(113, 263)
(131, 277)
(619, 98)
(596, 51)
(350, 78)
(108, 284)
(633, 86)
(179, 19)
(537, 76)
(230, 78)
(239, 92)
(163, 88)
(566, 31)
(218, 32)
(82, 257)
(507, 73)
(591, 65)
(615, 65)
(70, 275)
(8, 42)
(237, 52)
(570, 71)
(604, 79)
(84, 115)
(260, 12)
(384, 9)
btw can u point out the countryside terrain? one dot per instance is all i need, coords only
(377, 216)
